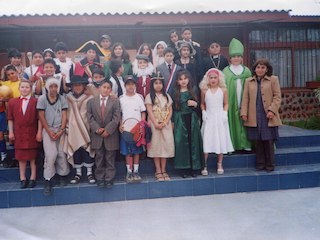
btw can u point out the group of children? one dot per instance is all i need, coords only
(85, 112)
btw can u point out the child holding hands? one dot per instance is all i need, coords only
(159, 107)
(215, 127)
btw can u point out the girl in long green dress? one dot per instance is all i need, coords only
(187, 136)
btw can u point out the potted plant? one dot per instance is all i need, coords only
(314, 84)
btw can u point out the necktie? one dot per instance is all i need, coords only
(22, 101)
(103, 107)
(169, 67)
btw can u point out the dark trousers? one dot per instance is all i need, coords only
(265, 154)
(105, 164)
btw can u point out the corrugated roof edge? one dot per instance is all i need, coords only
(146, 13)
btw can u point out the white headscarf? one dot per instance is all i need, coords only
(156, 59)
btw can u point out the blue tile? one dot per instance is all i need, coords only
(67, 195)
(20, 198)
(247, 184)
(203, 186)
(289, 181)
(268, 182)
(295, 158)
(312, 158)
(236, 161)
(91, 194)
(309, 179)
(39, 199)
(281, 159)
(182, 187)
(160, 189)
(9, 175)
(137, 191)
(4, 199)
(225, 185)
(252, 161)
(115, 193)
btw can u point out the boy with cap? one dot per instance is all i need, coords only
(77, 141)
(65, 63)
(133, 111)
(103, 113)
(87, 65)
(143, 74)
(235, 75)
(52, 108)
(105, 43)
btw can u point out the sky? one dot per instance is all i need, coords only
(17, 7)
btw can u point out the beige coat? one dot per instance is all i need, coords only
(271, 98)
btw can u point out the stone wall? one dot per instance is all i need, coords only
(298, 104)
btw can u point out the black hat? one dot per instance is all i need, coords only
(142, 57)
(76, 79)
(90, 45)
(129, 78)
(13, 52)
(106, 36)
(157, 76)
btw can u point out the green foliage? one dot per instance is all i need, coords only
(311, 123)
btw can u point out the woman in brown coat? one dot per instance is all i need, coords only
(260, 112)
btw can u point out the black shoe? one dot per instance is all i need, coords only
(62, 181)
(108, 184)
(193, 174)
(100, 183)
(260, 168)
(23, 184)
(32, 183)
(47, 188)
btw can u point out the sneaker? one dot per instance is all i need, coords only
(91, 179)
(75, 179)
(136, 177)
(47, 191)
(204, 172)
(129, 177)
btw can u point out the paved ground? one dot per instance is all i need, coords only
(290, 214)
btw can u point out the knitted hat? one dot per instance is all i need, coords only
(180, 44)
(52, 80)
(236, 48)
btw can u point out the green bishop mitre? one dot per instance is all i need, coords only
(236, 48)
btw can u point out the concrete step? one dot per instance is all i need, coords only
(234, 180)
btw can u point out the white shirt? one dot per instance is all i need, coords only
(115, 85)
(105, 100)
(65, 67)
(25, 103)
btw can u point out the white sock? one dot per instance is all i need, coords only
(78, 171)
(128, 168)
(135, 168)
(3, 156)
(89, 171)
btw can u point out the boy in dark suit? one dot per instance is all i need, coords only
(103, 114)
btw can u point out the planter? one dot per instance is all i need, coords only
(313, 84)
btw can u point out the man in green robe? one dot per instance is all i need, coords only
(235, 75)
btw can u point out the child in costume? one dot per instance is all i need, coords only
(159, 107)
(64, 63)
(52, 108)
(97, 78)
(15, 59)
(215, 127)
(36, 68)
(87, 65)
(215, 59)
(143, 74)
(48, 54)
(105, 43)
(25, 132)
(187, 136)
(173, 39)
(119, 52)
(158, 54)
(133, 111)
(235, 75)
(116, 78)
(144, 49)
(169, 71)
(260, 105)
(77, 141)
(104, 115)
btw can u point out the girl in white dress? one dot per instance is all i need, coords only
(215, 127)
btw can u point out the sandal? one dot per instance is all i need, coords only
(220, 169)
(76, 179)
(159, 177)
(166, 176)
